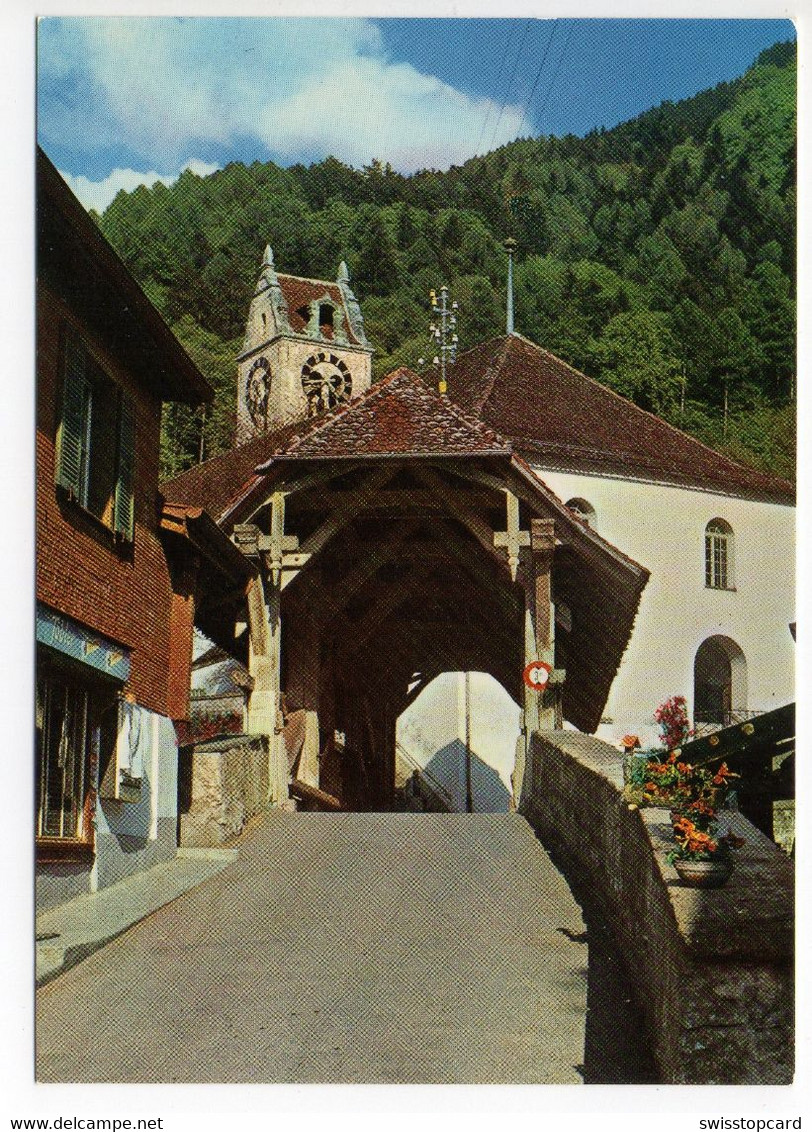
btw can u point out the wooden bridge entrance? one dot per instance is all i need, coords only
(393, 540)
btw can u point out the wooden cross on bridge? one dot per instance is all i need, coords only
(513, 539)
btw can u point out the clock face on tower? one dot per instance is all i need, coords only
(326, 381)
(256, 391)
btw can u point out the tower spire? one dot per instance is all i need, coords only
(510, 248)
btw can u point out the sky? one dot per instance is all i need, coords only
(123, 101)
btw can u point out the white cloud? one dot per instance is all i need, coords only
(297, 89)
(98, 194)
(372, 108)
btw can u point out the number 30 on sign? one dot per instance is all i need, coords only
(536, 674)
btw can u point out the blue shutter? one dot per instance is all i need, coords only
(71, 433)
(124, 517)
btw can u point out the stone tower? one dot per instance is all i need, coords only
(305, 350)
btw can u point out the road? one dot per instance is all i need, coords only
(340, 948)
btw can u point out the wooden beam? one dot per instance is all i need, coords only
(316, 479)
(480, 576)
(313, 796)
(393, 597)
(257, 617)
(403, 498)
(478, 527)
(340, 518)
(509, 482)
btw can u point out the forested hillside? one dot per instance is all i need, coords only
(658, 257)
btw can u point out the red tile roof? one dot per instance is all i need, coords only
(562, 420)
(399, 416)
(299, 293)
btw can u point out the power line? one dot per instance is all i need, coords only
(500, 70)
(550, 38)
(557, 70)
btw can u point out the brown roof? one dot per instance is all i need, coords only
(299, 293)
(217, 482)
(75, 261)
(562, 420)
(398, 416)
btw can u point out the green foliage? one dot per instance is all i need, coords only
(637, 356)
(658, 256)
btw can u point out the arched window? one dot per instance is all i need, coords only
(584, 511)
(719, 555)
(720, 682)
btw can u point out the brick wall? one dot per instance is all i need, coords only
(123, 591)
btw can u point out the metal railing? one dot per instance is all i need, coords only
(721, 720)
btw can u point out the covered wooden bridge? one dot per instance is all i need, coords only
(396, 538)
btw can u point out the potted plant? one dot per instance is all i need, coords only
(702, 857)
(702, 854)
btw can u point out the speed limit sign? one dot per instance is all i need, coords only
(536, 674)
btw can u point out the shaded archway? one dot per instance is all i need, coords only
(720, 682)
(396, 598)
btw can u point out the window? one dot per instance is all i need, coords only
(325, 317)
(584, 511)
(719, 555)
(76, 729)
(95, 441)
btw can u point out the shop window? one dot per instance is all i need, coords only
(95, 441)
(76, 734)
(719, 555)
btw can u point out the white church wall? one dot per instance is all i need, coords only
(663, 528)
(431, 735)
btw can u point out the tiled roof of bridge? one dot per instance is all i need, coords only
(563, 420)
(398, 416)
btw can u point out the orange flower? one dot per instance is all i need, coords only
(722, 775)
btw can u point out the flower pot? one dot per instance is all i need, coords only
(705, 874)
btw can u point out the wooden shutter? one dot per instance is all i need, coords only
(124, 518)
(104, 445)
(71, 431)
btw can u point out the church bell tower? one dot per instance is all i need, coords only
(305, 350)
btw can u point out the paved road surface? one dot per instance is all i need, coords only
(340, 948)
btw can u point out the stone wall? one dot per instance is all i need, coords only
(222, 783)
(712, 970)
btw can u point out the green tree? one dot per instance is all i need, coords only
(637, 356)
